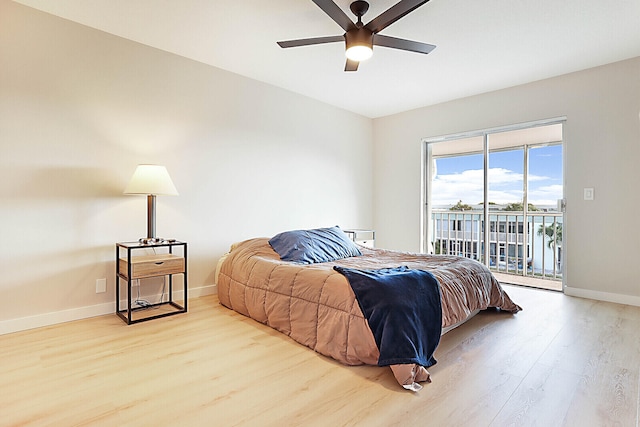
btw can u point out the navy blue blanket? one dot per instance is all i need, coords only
(404, 312)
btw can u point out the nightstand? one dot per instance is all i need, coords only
(135, 261)
(362, 237)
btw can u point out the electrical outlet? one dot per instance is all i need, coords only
(101, 286)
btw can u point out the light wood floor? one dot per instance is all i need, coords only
(562, 361)
(532, 282)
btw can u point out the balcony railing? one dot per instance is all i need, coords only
(530, 246)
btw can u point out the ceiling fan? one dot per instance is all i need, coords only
(360, 38)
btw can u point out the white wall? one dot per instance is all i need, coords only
(79, 109)
(602, 148)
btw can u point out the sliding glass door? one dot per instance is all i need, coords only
(494, 196)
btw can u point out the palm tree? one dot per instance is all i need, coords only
(553, 232)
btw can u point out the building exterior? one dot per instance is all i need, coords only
(531, 246)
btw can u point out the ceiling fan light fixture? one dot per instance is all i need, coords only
(359, 53)
(359, 44)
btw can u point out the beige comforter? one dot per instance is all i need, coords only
(316, 306)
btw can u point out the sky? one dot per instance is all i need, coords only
(461, 178)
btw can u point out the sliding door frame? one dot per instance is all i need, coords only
(426, 170)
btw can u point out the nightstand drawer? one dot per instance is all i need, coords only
(362, 237)
(367, 243)
(152, 265)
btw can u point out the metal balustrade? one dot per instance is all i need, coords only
(462, 234)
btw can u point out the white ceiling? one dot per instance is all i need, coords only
(481, 45)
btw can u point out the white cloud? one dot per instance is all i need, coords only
(505, 186)
(547, 195)
(466, 186)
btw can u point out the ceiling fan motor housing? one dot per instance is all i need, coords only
(359, 37)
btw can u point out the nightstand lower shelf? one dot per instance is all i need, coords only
(162, 309)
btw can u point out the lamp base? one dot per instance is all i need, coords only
(150, 240)
(151, 223)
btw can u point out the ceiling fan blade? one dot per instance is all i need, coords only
(335, 13)
(392, 14)
(396, 43)
(312, 41)
(351, 65)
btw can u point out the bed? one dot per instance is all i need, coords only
(313, 303)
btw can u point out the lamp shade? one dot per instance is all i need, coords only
(151, 179)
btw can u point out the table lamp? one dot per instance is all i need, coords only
(151, 180)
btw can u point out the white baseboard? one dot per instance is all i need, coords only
(48, 319)
(602, 296)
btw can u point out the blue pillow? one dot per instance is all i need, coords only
(312, 246)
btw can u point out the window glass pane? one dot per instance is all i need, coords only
(458, 179)
(545, 176)
(506, 179)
